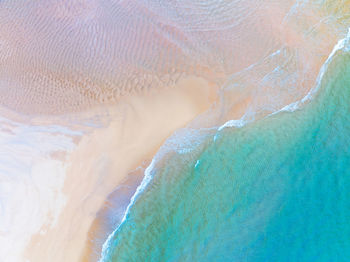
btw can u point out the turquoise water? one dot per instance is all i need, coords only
(277, 189)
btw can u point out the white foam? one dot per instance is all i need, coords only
(197, 163)
(147, 178)
(233, 123)
(296, 105)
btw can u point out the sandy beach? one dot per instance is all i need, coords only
(94, 88)
(104, 158)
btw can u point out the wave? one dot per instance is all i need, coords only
(342, 44)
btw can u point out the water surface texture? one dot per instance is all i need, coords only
(276, 189)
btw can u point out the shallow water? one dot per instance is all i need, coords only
(275, 189)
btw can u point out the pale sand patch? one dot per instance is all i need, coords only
(103, 159)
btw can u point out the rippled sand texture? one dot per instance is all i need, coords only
(61, 56)
(64, 56)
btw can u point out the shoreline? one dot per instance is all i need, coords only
(104, 158)
(111, 214)
(238, 123)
